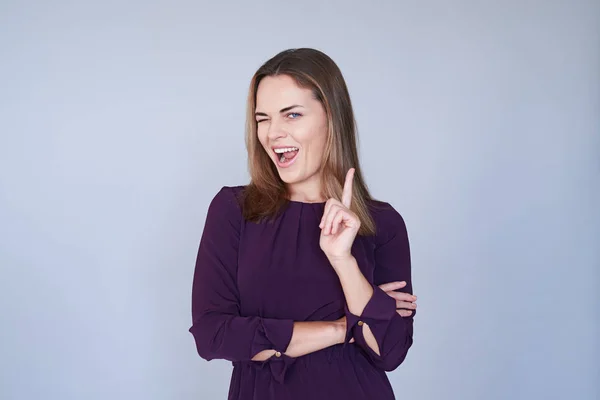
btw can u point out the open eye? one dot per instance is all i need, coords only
(294, 115)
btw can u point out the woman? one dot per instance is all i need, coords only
(302, 280)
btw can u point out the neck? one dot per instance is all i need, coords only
(307, 191)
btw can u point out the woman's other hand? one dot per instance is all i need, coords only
(405, 302)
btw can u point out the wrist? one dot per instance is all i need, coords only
(339, 331)
(340, 261)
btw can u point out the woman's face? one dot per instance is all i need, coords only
(292, 128)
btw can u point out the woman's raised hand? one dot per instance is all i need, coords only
(339, 225)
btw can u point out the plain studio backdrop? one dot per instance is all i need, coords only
(478, 120)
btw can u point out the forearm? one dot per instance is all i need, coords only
(357, 291)
(308, 337)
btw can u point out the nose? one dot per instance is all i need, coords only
(275, 130)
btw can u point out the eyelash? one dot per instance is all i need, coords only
(287, 115)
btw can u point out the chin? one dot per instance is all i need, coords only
(289, 179)
(288, 176)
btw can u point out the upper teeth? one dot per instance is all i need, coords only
(279, 151)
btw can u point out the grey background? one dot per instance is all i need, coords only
(119, 121)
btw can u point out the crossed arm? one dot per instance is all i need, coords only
(371, 315)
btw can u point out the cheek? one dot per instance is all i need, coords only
(316, 147)
(320, 138)
(260, 132)
(261, 135)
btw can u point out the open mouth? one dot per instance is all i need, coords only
(286, 156)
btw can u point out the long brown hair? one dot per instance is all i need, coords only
(266, 193)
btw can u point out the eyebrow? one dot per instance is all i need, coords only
(280, 111)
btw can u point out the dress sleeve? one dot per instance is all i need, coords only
(217, 327)
(393, 333)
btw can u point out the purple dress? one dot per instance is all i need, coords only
(253, 280)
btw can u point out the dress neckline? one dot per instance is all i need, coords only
(318, 203)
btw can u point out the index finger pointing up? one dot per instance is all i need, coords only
(347, 193)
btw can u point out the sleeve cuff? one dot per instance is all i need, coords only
(378, 312)
(272, 334)
(381, 306)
